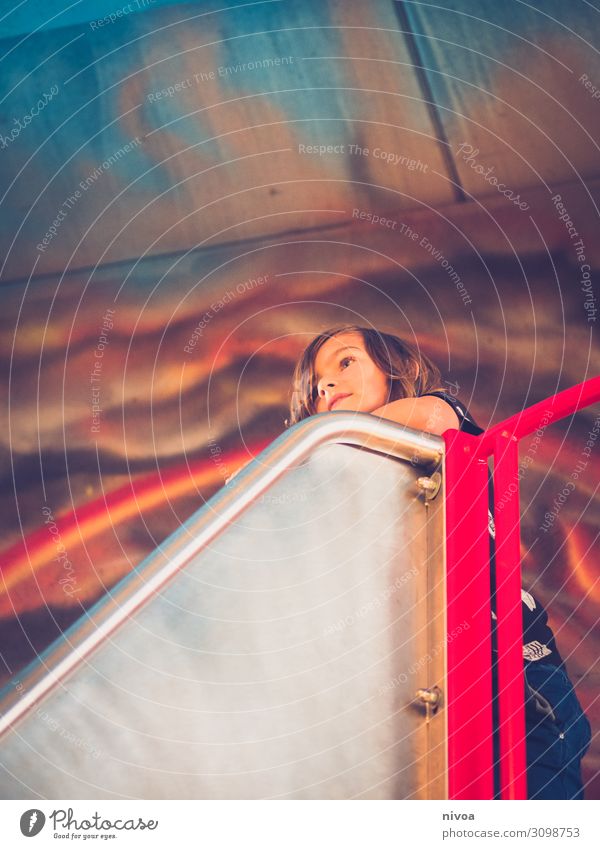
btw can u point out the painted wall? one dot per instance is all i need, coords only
(189, 193)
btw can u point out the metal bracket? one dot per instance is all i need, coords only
(430, 485)
(431, 697)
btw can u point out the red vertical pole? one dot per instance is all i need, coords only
(509, 628)
(469, 682)
(470, 750)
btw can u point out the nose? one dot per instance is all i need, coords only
(325, 385)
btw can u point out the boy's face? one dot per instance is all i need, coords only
(343, 367)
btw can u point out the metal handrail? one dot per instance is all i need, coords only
(502, 443)
(565, 403)
(468, 584)
(137, 588)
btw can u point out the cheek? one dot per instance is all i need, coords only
(380, 389)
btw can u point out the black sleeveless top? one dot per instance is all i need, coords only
(538, 639)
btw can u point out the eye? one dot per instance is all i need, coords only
(346, 360)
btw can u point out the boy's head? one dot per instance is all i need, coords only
(364, 367)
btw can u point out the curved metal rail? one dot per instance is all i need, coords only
(130, 594)
(468, 580)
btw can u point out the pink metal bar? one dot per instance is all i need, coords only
(470, 751)
(509, 626)
(466, 487)
(564, 404)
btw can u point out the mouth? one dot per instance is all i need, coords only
(337, 398)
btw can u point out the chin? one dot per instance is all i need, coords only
(346, 408)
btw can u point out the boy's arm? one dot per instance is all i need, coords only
(428, 413)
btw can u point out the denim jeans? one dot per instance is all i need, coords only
(557, 734)
(557, 740)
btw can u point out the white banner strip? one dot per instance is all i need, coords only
(300, 824)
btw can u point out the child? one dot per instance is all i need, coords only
(362, 370)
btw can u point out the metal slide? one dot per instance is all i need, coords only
(272, 647)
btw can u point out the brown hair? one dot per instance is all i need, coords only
(393, 356)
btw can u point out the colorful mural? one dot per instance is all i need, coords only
(191, 191)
